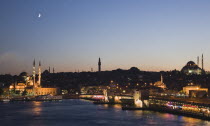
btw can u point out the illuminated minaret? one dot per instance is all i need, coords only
(161, 78)
(198, 60)
(99, 65)
(40, 74)
(34, 72)
(202, 62)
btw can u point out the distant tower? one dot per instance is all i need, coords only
(161, 78)
(202, 61)
(40, 74)
(34, 72)
(49, 69)
(198, 60)
(53, 70)
(99, 65)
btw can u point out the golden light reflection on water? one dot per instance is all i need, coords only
(106, 105)
(37, 108)
(117, 106)
(167, 116)
(138, 113)
(191, 120)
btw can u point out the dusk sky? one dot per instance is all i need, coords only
(71, 35)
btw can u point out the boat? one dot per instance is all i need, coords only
(5, 100)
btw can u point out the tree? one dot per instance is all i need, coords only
(1, 91)
(24, 93)
(17, 92)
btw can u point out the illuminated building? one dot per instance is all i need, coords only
(32, 84)
(92, 89)
(160, 83)
(192, 90)
(141, 98)
(191, 68)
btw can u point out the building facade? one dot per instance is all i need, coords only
(32, 84)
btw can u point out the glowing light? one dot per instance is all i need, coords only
(98, 97)
(39, 15)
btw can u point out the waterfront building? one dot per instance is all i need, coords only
(105, 95)
(160, 83)
(141, 98)
(195, 91)
(93, 89)
(32, 84)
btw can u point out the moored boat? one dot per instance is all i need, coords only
(5, 100)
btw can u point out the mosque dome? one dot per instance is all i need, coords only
(23, 77)
(23, 74)
(192, 68)
(191, 63)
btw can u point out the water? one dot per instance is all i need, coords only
(84, 113)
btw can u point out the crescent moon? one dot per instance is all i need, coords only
(39, 15)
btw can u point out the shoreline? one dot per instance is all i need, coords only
(162, 110)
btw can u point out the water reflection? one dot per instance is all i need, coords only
(138, 113)
(83, 113)
(167, 116)
(194, 120)
(106, 105)
(37, 108)
(116, 106)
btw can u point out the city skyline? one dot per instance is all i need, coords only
(36, 65)
(72, 35)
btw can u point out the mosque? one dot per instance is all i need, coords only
(32, 84)
(193, 69)
(160, 83)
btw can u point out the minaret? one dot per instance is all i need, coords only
(53, 70)
(198, 61)
(202, 62)
(99, 65)
(34, 72)
(161, 78)
(49, 69)
(40, 74)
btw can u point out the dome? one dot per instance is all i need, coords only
(23, 74)
(191, 63)
(134, 70)
(22, 77)
(192, 68)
